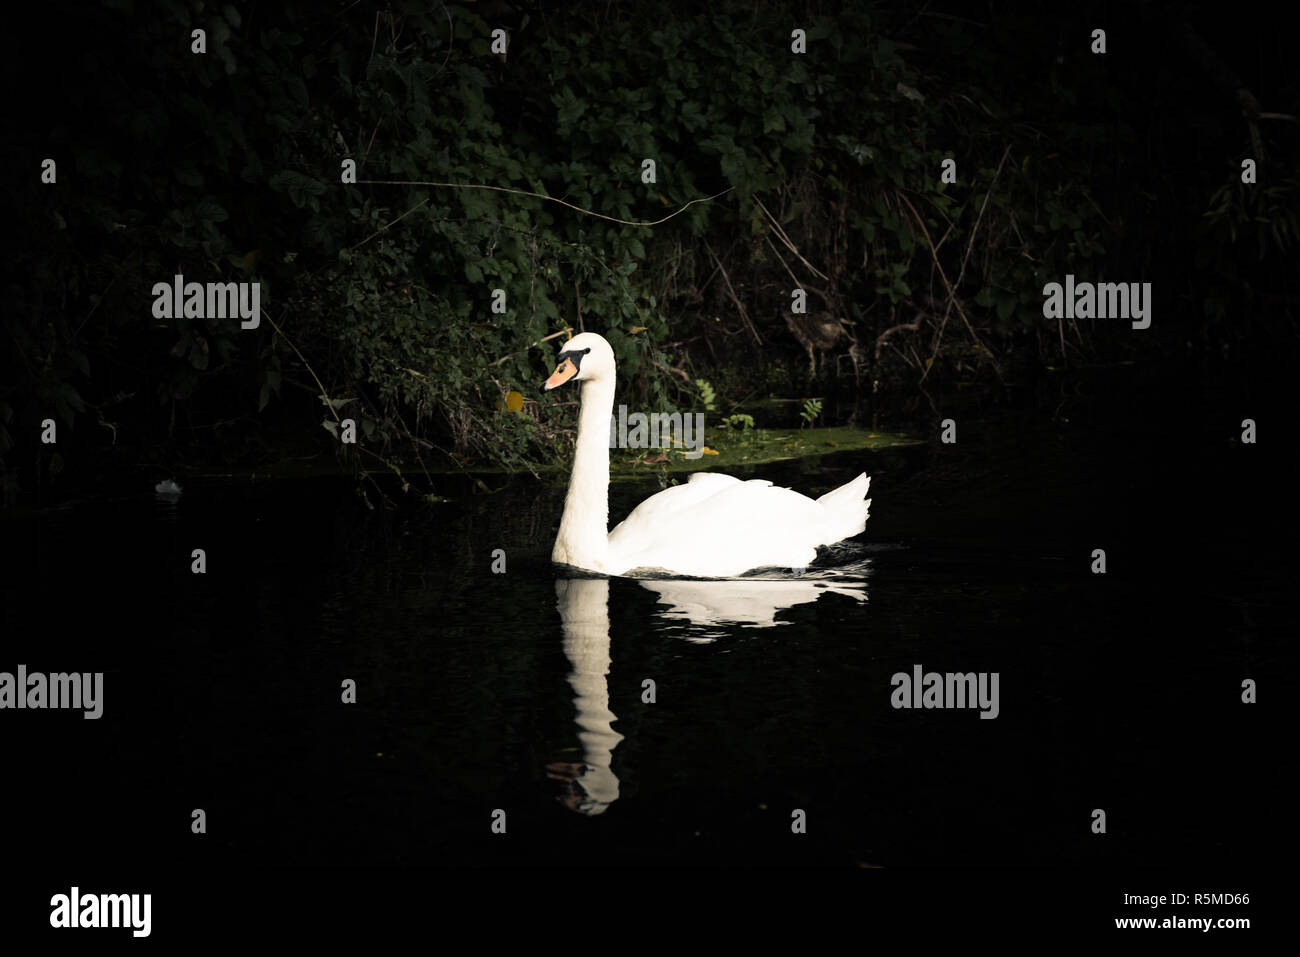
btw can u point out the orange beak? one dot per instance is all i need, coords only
(565, 371)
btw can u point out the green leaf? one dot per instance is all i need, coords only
(301, 188)
(209, 210)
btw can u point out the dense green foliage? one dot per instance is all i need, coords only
(377, 298)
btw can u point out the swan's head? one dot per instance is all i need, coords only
(585, 356)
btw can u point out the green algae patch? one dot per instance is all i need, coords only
(726, 449)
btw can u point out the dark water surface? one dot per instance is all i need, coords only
(479, 691)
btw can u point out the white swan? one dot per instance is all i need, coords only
(714, 526)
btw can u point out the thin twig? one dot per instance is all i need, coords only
(385, 228)
(776, 252)
(780, 233)
(96, 305)
(552, 199)
(970, 243)
(952, 294)
(565, 331)
(901, 327)
(952, 289)
(451, 37)
(328, 400)
(732, 293)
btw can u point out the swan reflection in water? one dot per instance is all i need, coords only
(708, 609)
(589, 786)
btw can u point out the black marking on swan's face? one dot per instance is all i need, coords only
(574, 356)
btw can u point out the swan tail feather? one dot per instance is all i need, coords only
(847, 509)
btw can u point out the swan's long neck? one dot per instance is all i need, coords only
(583, 540)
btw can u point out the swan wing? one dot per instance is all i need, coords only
(718, 527)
